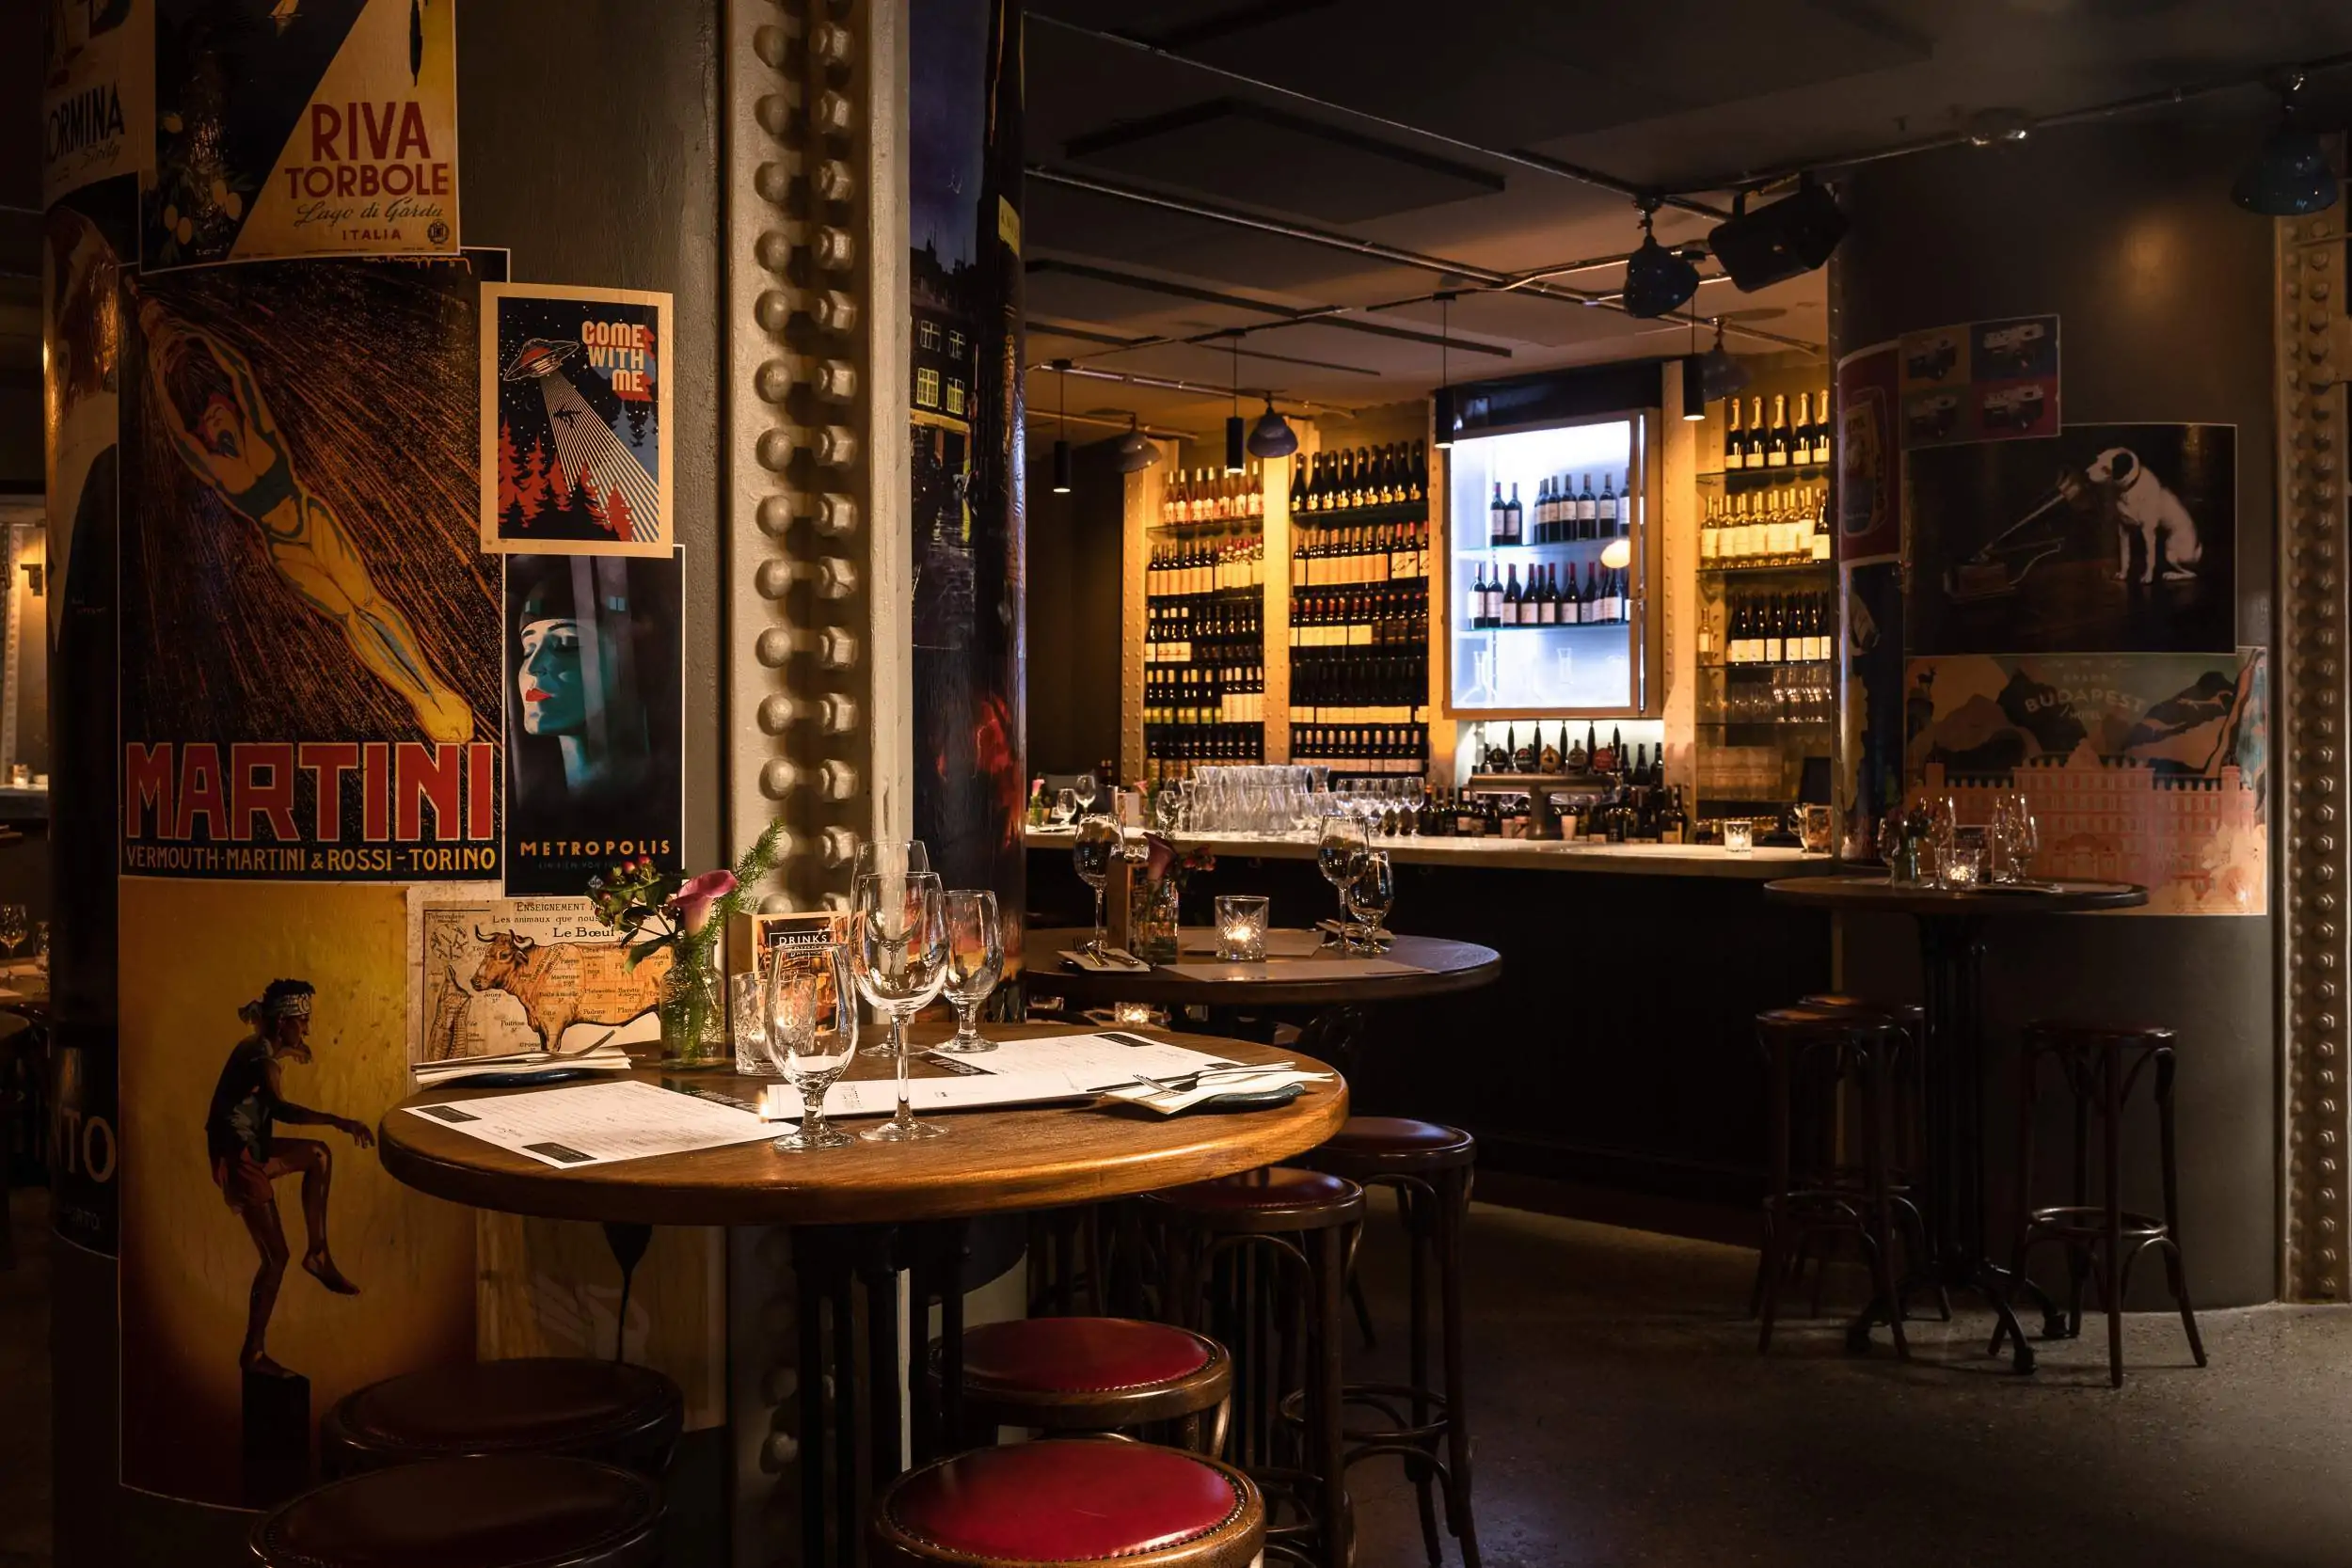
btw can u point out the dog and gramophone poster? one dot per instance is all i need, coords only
(2105, 538)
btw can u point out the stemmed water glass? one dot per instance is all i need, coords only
(901, 960)
(1064, 809)
(1099, 842)
(1370, 895)
(14, 925)
(811, 1016)
(1088, 791)
(2012, 837)
(896, 857)
(976, 960)
(1341, 847)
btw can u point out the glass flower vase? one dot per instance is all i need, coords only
(693, 1011)
(1154, 919)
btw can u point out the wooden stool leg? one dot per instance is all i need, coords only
(2175, 1265)
(1452, 1214)
(1877, 1134)
(1417, 1208)
(2077, 1261)
(2111, 1279)
(2028, 1070)
(1769, 1267)
(1330, 1278)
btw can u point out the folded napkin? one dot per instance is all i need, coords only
(1172, 1101)
(1113, 960)
(522, 1065)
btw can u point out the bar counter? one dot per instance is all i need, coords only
(1615, 1055)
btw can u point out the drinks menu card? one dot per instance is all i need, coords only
(595, 1124)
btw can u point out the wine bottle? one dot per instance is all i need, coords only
(1776, 440)
(1512, 600)
(1587, 512)
(1735, 441)
(1518, 517)
(1822, 428)
(1498, 520)
(1801, 432)
(1755, 437)
(1478, 599)
(1611, 527)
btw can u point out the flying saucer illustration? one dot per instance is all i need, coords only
(589, 445)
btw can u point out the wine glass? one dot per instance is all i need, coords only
(976, 960)
(896, 857)
(1065, 807)
(1340, 851)
(1370, 895)
(902, 962)
(811, 1034)
(1167, 807)
(1088, 791)
(1099, 840)
(14, 925)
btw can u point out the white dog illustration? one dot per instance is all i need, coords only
(2142, 505)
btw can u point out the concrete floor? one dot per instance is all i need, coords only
(1624, 1417)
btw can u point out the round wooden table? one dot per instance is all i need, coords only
(863, 1214)
(992, 1162)
(1438, 967)
(1951, 966)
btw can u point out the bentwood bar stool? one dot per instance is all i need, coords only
(1063, 1503)
(1261, 1261)
(1083, 1375)
(609, 1411)
(1815, 1199)
(500, 1511)
(1429, 1167)
(2101, 1064)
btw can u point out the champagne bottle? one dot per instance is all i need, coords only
(1735, 440)
(1777, 441)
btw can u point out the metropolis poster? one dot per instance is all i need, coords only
(303, 128)
(302, 440)
(594, 703)
(575, 445)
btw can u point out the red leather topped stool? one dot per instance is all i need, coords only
(2101, 1064)
(1066, 1502)
(1260, 1260)
(1094, 1375)
(496, 1511)
(1428, 1165)
(610, 1411)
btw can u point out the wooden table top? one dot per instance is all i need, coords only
(1875, 893)
(992, 1162)
(1445, 966)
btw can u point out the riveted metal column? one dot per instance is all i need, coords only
(2313, 752)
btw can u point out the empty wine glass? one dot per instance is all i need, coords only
(902, 962)
(1340, 849)
(895, 856)
(2013, 838)
(976, 960)
(1167, 807)
(1088, 791)
(810, 1034)
(1099, 840)
(14, 925)
(1065, 807)
(1370, 895)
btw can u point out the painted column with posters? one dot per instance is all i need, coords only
(1870, 583)
(965, 143)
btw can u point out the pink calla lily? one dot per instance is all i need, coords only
(691, 903)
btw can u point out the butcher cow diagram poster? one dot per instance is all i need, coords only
(303, 128)
(574, 421)
(301, 439)
(2138, 767)
(593, 705)
(2121, 538)
(1980, 381)
(497, 976)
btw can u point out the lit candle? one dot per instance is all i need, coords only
(1133, 1015)
(1241, 921)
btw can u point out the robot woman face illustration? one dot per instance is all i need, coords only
(551, 682)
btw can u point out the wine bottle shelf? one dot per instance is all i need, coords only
(1357, 516)
(1743, 569)
(1742, 479)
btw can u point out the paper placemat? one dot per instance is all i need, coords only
(597, 1124)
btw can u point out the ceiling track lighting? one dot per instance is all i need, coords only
(2290, 177)
(1657, 281)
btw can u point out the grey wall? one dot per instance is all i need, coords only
(1073, 610)
(2165, 293)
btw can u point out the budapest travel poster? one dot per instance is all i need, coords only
(2138, 767)
(593, 725)
(576, 439)
(309, 669)
(303, 128)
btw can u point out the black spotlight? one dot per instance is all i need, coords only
(1061, 467)
(1272, 436)
(1136, 451)
(1693, 387)
(1657, 279)
(2289, 177)
(1789, 238)
(1720, 374)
